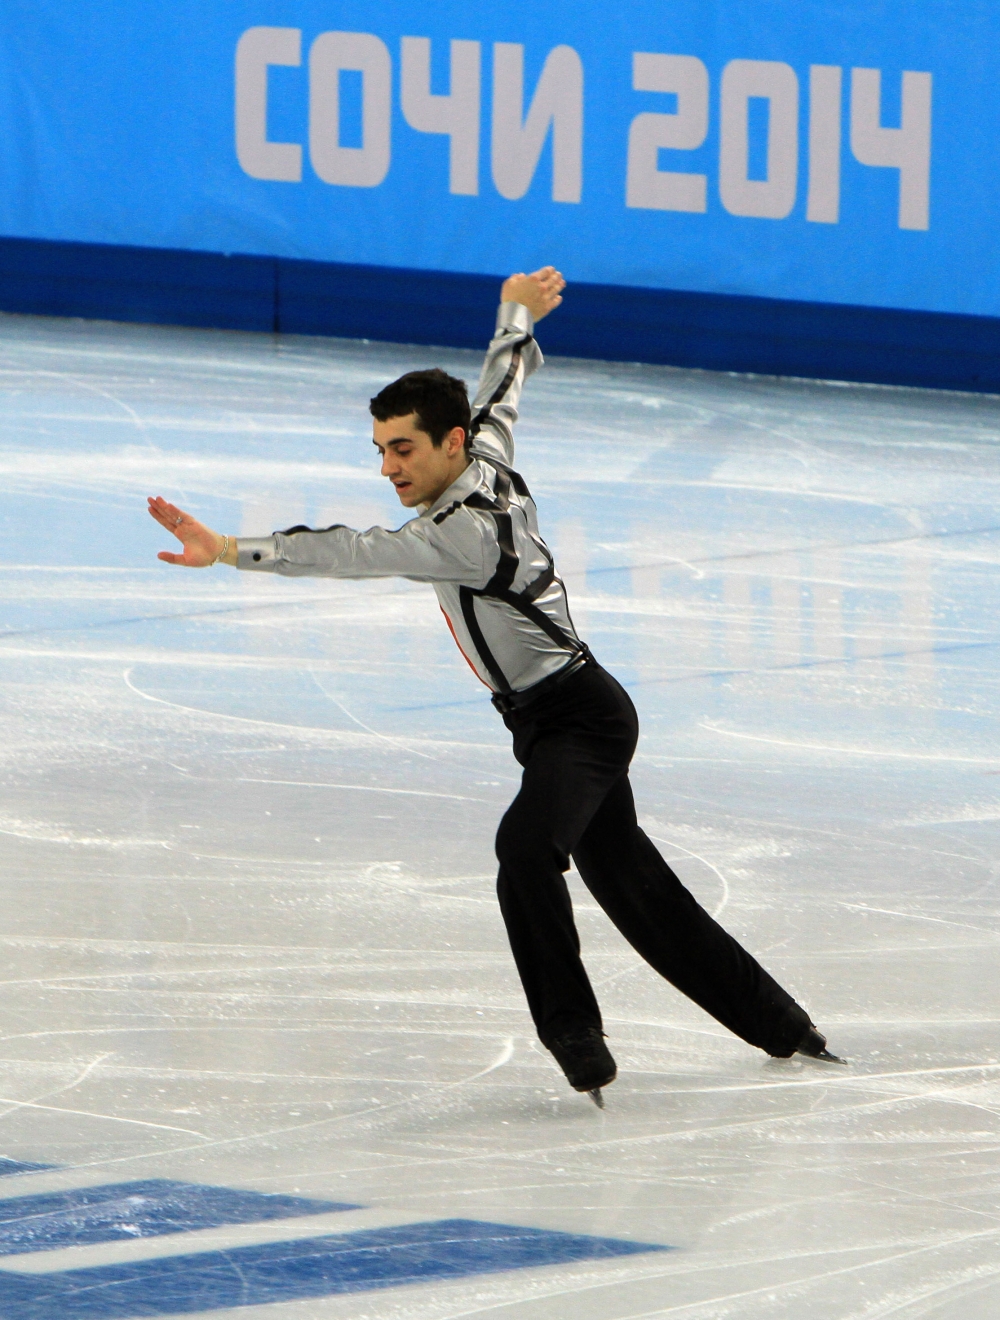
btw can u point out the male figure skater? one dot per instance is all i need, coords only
(476, 540)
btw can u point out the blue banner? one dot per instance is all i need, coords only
(826, 152)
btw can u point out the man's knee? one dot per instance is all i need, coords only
(522, 848)
(508, 845)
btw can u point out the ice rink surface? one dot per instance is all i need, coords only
(259, 1018)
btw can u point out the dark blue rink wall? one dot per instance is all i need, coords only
(715, 331)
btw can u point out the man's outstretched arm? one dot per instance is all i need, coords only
(511, 357)
(422, 550)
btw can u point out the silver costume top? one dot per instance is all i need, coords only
(478, 544)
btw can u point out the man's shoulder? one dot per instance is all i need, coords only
(501, 478)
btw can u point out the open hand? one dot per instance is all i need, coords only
(201, 544)
(540, 291)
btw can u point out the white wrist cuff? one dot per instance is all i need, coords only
(515, 316)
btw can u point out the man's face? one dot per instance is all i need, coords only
(419, 469)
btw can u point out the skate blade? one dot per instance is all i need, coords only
(597, 1097)
(827, 1057)
(824, 1056)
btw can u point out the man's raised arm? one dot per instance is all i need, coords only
(511, 357)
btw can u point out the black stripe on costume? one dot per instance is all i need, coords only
(499, 585)
(316, 531)
(499, 500)
(507, 565)
(502, 388)
(541, 583)
(519, 483)
(514, 478)
(446, 513)
(466, 598)
(502, 490)
(515, 362)
(541, 620)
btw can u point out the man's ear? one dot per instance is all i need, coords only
(455, 441)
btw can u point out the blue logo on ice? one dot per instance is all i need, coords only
(253, 1275)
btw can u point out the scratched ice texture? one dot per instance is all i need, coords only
(250, 936)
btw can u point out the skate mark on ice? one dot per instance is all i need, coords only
(88, 1113)
(15, 1105)
(397, 743)
(918, 916)
(824, 662)
(337, 735)
(777, 553)
(711, 727)
(503, 1056)
(363, 788)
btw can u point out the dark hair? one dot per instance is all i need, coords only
(439, 400)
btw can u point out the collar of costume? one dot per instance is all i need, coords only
(460, 489)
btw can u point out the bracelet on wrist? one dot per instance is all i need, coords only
(223, 552)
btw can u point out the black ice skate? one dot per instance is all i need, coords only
(813, 1045)
(586, 1061)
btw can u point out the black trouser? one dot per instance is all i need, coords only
(575, 744)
